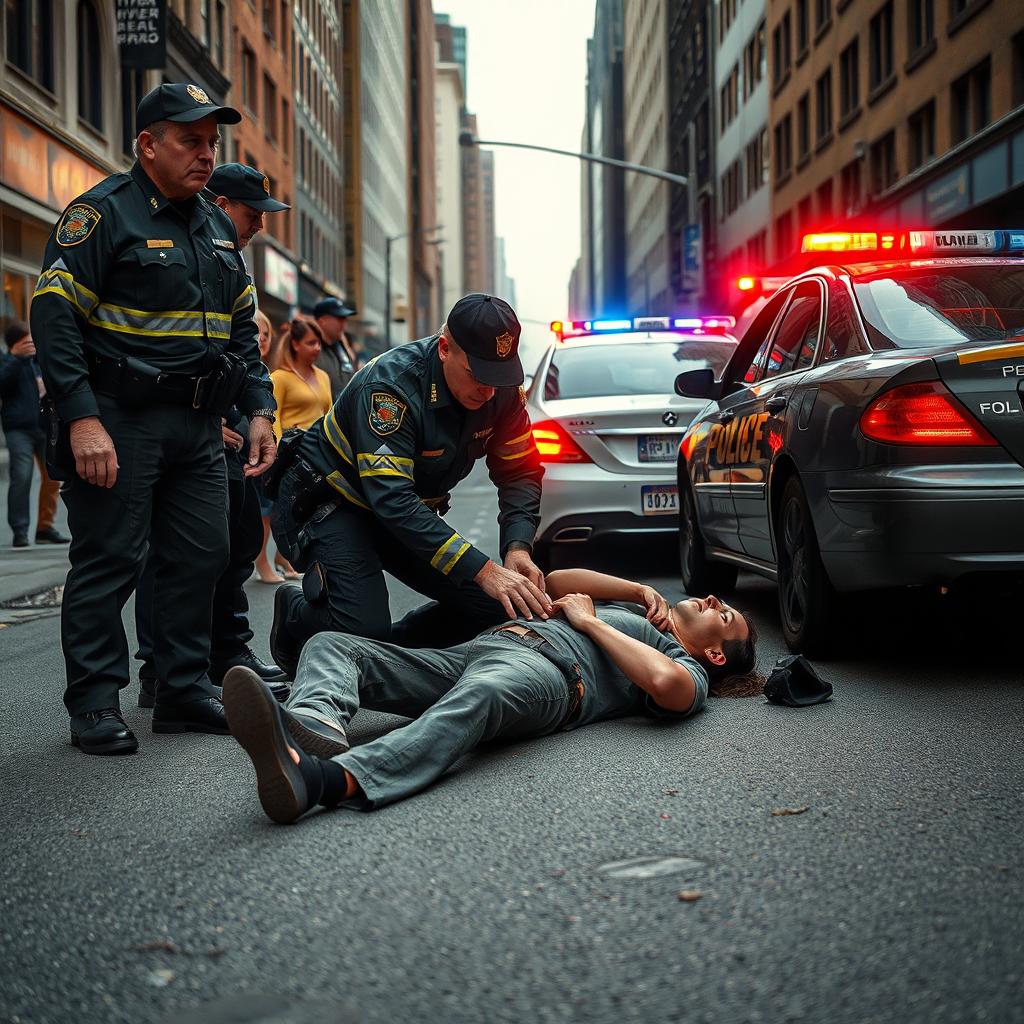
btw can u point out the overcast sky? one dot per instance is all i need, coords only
(527, 70)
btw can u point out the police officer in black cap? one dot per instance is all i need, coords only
(371, 480)
(143, 317)
(243, 193)
(336, 358)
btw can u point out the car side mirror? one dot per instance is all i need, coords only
(698, 384)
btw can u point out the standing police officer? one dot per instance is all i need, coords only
(336, 357)
(243, 193)
(371, 480)
(143, 316)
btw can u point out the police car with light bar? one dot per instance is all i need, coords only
(868, 431)
(608, 425)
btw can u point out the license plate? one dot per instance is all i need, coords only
(659, 500)
(657, 447)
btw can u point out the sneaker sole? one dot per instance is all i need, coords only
(313, 742)
(255, 720)
(286, 664)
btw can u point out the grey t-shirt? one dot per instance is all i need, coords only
(608, 693)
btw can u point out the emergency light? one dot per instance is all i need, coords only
(692, 325)
(915, 242)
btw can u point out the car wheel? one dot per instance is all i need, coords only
(807, 602)
(700, 575)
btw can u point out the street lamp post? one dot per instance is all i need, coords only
(387, 273)
(469, 139)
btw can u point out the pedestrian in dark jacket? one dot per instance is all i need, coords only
(20, 391)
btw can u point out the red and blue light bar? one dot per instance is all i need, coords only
(691, 324)
(974, 241)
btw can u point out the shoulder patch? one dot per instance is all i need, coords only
(77, 224)
(386, 413)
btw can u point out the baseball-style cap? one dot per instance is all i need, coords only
(182, 103)
(487, 329)
(245, 185)
(333, 306)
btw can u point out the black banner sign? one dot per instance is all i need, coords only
(142, 33)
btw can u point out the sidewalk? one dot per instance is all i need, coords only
(31, 570)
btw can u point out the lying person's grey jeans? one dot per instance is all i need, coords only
(495, 686)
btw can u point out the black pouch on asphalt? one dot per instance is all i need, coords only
(287, 453)
(60, 460)
(795, 683)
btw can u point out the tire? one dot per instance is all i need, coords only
(701, 576)
(807, 601)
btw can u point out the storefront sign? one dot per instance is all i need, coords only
(142, 33)
(39, 166)
(280, 278)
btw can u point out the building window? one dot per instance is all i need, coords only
(30, 39)
(220, 24)
(850, 189)
(757, 162)
(268, 18)
(803, 27)
(755, 60)
(881, 62)
(131, 92)
(922, 135)
(731, 185)
(90, 78)
(920, 24)
(823, 102)
(849, 80)
(783, 148)
(286, 131)
(822, 14)
(823, 198)
(730, 99)
(781, 52)
(204, 22)
(803, 127)
(248, 78)
(883, 163)
(270, 108)
(757, 249)
(971, 101)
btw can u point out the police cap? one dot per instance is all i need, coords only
(487, 329)
(244, 185)
(332, 306)
(182, 103)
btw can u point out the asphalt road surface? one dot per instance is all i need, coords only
(152, 888)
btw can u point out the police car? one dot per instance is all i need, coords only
(607, 423)
(868, 431)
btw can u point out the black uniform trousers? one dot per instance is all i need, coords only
(354, 551)
(230, 630)
(171, 493)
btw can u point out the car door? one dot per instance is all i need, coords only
(762, 420)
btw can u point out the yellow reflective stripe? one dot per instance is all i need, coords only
(243, 300)
(439, 553)
(371, 459)
(458, 554)
(344, 488)
(517, 440)
(60, 282)
(518, 455)
(384, 472)
(339, 442)
(160, 323)
(170, 314)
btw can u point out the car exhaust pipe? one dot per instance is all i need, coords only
(573, 534)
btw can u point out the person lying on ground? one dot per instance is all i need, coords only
(630, 654)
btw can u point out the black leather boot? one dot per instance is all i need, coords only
(102, 732)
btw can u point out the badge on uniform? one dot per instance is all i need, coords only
(77, 224)
(386, 413)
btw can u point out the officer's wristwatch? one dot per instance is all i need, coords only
(267, 414)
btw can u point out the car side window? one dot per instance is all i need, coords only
(842, 337)
(796, 338)
(753, 372)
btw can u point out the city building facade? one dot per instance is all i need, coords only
(449, 101)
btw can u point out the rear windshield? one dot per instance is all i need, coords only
(636, 368)
(935, 306)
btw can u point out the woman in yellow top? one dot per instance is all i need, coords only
(302, 390)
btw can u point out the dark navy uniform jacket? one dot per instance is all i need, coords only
(128, 272)
(396, 442)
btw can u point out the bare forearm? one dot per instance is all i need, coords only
(597, 585)
(668, 682)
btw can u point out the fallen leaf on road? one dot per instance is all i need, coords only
(671, 792)
(689, 896)
(215, 951)
(664, 817)
(160, 979)
(163, 945)
(780, 812)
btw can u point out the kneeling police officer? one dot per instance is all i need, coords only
(143, 317)
(369, 483)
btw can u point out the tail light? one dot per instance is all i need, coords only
(555, 445)
(922, 414)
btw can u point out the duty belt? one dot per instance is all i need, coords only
(570, 669)
(108, 377)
